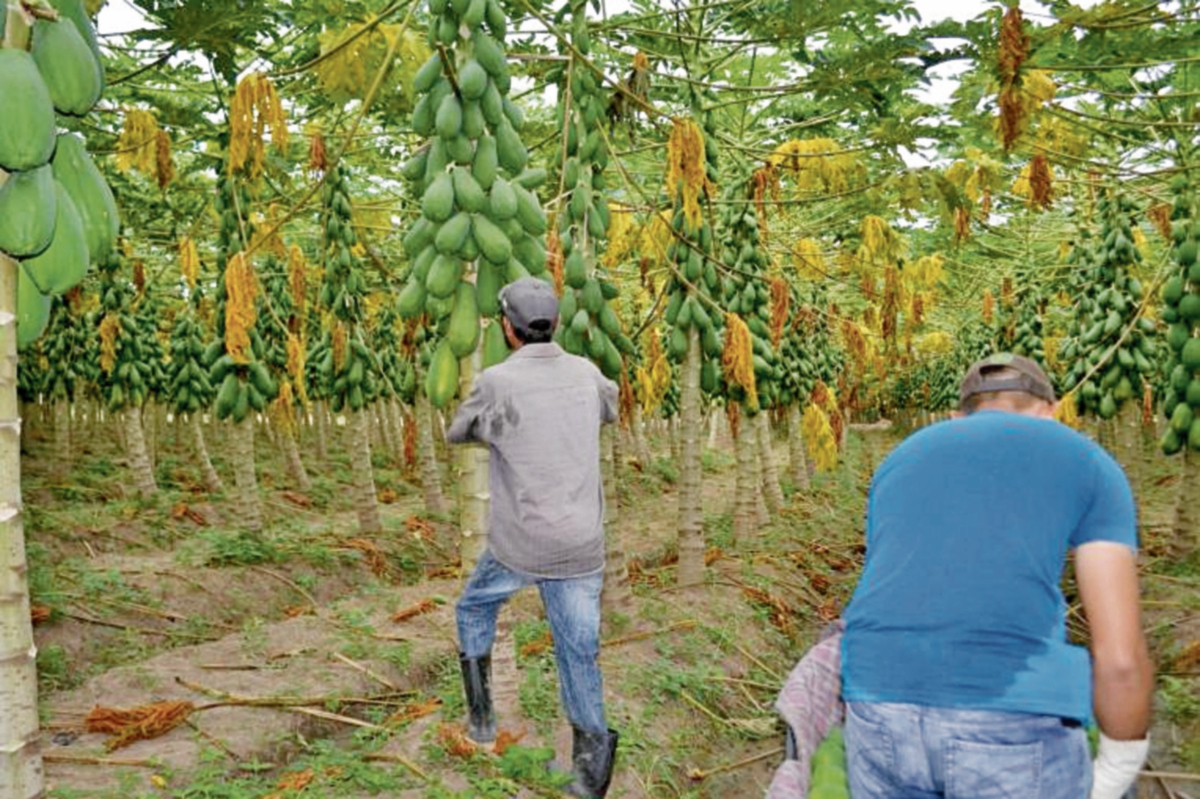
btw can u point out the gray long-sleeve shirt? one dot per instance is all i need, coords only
(540, 413)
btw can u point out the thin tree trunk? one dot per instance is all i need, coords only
(473, 479)
(427, 462)
(772, 493)
(1128, 440)
(20, 757)
(673, 437)
(150, 431)
(616, 599)
(637, 426)
(212, 480)
(366, 506)
(321, 422)
(286, 435)
(241, 457)
(135, 448)
(745, 514)
(797, 451)
(691, 529)
(393, 420)
(379, 414)
(62, 436)
(1187, 510)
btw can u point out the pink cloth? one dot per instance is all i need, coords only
(810, 702)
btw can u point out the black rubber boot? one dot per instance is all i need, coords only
(592, 755)
(477, 680)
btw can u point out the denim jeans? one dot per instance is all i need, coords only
(573, 608)
(900, 751)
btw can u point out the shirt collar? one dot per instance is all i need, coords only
(548, 349)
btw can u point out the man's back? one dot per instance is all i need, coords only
(540, 413)
(969, 524)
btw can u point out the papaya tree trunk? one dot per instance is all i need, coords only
(212, 480)
(772, 493)
(691, 527)
(473, 479)
(393, 421)
(62, 436)
(672, 429)
(150, 431)
(135, 449)
(427, 462)
(797, 451)
(1187, 509)
(637, 427)
(241, 456)
(365, 504)
(616, 600)
(1126, 440)
(745, 515)
(286, 435)
(321, 423)
(20, 757)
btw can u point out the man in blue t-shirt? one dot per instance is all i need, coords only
(957, 675)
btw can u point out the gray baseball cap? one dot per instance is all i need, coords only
(1029, 377)
(529, 304)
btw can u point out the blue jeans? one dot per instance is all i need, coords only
(573, 608)
(900, 751)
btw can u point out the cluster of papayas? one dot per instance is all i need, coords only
(125, 323)
(589, 326)
(57, 213)
(241, 387)
(1181, 311)
(480, 216)
(1111, 347)
(807, 353)
(748, 295)
(189, 387)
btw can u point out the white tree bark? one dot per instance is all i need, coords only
(135, 447)
(366, 506)
(241, 456)
(21, 774)
(691, 527)
(772, 493)
(212, 481)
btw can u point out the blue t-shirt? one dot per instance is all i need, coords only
(968, 526)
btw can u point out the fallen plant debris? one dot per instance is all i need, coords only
(780, 614)
(39, 614)
(412, 611)
(454, 740)
(415, 710)
(139, 723)
(374, 557)
(182, 510)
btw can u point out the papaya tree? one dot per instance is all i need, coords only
(481, 224)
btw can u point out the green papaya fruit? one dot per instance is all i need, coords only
(33, 310)
(67, 65)
(495, 345)
(27, 132)
(64, 263)
(74, 169)
(463, 332)
(472, 80)
(441, 381)
(489, 279)
(27, 212)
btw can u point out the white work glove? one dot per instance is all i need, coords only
(1116, 766)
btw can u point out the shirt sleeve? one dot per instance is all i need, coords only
(608, 399)
(1111, 515)
(469, 423)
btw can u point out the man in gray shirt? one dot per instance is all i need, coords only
(540, 412)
